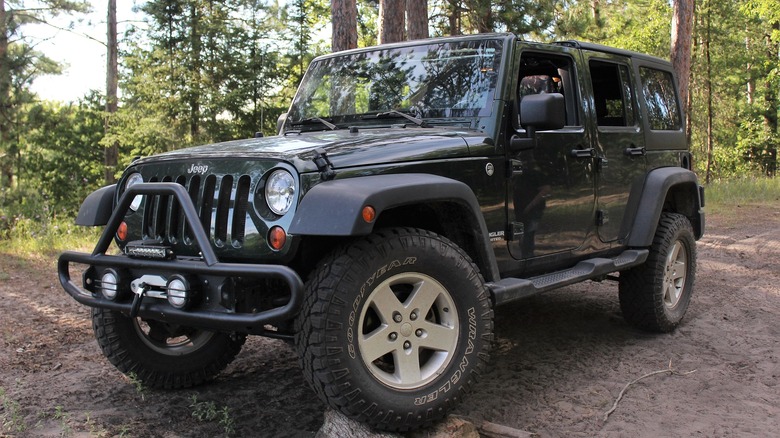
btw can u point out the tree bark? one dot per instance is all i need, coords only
(417, 17)
(344, 18)
(708, 84)
(455, 19)
(682, 33)
(111, 153)
(6, 168)
(391, 21)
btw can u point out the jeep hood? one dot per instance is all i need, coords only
(344, 149)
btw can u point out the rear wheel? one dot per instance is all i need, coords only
(163, 355)
(655, 295)
(395, 328)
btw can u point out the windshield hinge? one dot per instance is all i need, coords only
(323, 164)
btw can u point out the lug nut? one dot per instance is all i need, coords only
(419, 333)
(393, 336)
(407, 345)
(413, 316)
(397, 317)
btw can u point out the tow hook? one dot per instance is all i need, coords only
(139, 296)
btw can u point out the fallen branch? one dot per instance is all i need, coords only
(670, 370)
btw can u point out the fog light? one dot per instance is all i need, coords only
(178, 292)
(109, 284)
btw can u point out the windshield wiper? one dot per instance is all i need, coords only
(419, 122)
(330, 126)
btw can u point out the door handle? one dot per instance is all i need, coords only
(634, 151)
(583, 153)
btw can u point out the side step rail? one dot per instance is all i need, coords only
(511, 289)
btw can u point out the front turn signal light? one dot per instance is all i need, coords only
(277, 237)
(121, 232)
(369, 214)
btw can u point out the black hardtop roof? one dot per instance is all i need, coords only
(504, 35)
(607, 49)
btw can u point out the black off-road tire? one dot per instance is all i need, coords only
(656, 295)
(395, 328)
(166, 357)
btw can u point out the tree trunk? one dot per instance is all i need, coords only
(391, 21)
(197, 66)
(111, 153)
(344, 18)
(454, 16)
(6, 167)
(480, 15)
(708, 85)
(417, 16)
(682, 32)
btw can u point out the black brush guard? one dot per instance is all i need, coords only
(207, 265)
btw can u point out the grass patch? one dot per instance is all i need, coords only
(48, 238)
(727, 197)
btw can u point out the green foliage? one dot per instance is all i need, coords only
(207, 411)
(728, 195)
(12, 417)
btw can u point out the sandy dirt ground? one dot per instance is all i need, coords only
(559, 362)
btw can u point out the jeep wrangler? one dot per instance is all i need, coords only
(411, 189)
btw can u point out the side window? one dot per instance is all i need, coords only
(660, 96)
(612, 94)
(541, 73)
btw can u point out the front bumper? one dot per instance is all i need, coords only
(214, 316)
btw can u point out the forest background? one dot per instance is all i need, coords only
(200, 71)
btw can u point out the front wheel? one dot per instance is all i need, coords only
(163, 355)
(395, 328)
(655, 295)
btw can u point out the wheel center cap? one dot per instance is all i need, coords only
(406, 330)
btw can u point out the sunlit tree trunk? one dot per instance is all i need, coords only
(391, 21)
(682, 33)
(708, 86)
(111, 152)
(417, 19)
(344, 18)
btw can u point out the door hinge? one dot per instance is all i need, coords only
(515, 230)
(602, 218)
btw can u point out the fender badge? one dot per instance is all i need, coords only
(489, 169)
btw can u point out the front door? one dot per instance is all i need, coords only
(551, 187)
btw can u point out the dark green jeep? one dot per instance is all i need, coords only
(412, 188)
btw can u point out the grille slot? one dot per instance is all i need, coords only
(222, 204)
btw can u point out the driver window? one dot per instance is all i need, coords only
(541, 74)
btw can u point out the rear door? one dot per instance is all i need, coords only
(620, 163)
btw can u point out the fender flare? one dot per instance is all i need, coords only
(97, 207)
(333, 208)
(658, 185)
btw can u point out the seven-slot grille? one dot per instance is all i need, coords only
(221, 203)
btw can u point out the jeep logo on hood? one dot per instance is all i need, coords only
(198, 168)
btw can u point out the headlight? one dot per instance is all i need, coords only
(280, 191)
(132, 180)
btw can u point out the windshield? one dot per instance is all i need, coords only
(443, 80)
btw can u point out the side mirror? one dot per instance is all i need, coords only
(280, 122)
(539, 112)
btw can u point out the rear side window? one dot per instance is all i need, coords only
(612, 94)
(660, 95)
